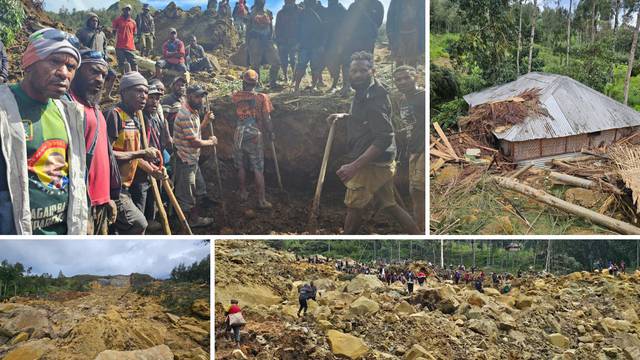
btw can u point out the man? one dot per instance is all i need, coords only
(173, 54)
(224, 9)
(334, 20)
(253, 111)
(311, 39)
(4, 64)
(406, 30)
(240, 14)
(360, 29)
(124, 132)
(260, 41)
(165, 133)
(44, 139)
(196, 57)
(412, 112)
(146, 30)
(372, 149)
(172, 103)
(126, 30)
(287, 35)
(86, 89)
(141, 184)
(187, 138)
(92, 37)
(306, 292)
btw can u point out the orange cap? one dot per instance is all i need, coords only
(250, 76)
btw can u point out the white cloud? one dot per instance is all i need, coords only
(103, 257)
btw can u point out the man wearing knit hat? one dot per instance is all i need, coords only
(92, 37)
(86, 89)
(126, 30)
(253, 111)
(123, 126)
(44, 138)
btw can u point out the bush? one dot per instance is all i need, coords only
(11, 17)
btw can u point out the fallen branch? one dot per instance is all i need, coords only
(444, 139)
(565, 179)
(521, 171)
(541, 196)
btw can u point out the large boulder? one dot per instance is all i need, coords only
(417, 352)
(404, 308)
(615, 325)
(160, 352)
(25, 319)
(347, 345)
(201, 308)
(364, 282)
(559, 340)
(32, 350)
(364, 306)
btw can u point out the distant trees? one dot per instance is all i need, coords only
(199, 271)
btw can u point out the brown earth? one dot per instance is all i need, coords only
(72, 327)
(578, 316)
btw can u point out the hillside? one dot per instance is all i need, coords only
(578, 316)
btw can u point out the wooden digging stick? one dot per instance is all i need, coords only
(217, 165)
(313, 215)
(154, 184)
(174, 202)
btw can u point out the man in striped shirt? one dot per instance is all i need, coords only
(187, 139)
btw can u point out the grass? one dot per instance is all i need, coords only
(438, 44)
(488, 210)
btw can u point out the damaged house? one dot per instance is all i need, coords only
(569, 116)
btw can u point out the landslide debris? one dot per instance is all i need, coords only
(577, 316)
(110, 321)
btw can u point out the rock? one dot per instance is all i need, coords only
(160, 352)
(417, 352)
(404, 308)
(477, 299)
(364, 306)
(201, 308)
(239, 355)
(23, 336)
(630, 315)
(173, 318)
(27, 319)
(583, 197)
(347, 345)
(522, 302)
(491, 292)
(325, 324)
(575, 276)
(559, 340)
(364, 282)
(615, 325)
(484, 327)
(32, 350)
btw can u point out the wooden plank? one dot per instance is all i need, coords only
(444, 139)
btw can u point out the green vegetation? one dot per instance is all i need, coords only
(490, 255)
(199, 272)
(77, 19)
(11, 17)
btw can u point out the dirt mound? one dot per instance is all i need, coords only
(106, 318)
(581, 315)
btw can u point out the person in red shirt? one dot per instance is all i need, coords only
(86, 89)
(173, 54)
(126, 30)
(234, 309)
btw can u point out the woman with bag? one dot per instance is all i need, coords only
(235, 320)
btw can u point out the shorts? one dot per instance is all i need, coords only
(124, 55)
(416, 172)
(373, 182)
(261, 51)
(253, 149)
(312, 56)
(179, 67)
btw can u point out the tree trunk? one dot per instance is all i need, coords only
(569, 31)
(593, 21)
(533, 32)
(616, 11)
(519, 40)
(547, 265)
(632, 55)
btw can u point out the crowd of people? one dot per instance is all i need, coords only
(74, 168)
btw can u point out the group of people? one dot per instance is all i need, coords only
(613, 267)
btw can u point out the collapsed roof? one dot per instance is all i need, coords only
(571, 108)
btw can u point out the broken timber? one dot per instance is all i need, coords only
(541, 196)
(565, 179)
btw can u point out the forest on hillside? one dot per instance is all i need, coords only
(476, 44)
(497, 255)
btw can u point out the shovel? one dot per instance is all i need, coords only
(313, 214)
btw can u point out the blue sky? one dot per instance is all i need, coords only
(274, 5)
(103, 257)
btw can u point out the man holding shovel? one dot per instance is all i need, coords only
(372, 149)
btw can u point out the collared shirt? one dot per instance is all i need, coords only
(370, 124)
(125, 32)
(186, 128)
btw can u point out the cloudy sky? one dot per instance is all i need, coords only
(273, 5)
(103, 257)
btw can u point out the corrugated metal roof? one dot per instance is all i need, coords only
(573, 108)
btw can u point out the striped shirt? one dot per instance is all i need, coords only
(186, 128)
